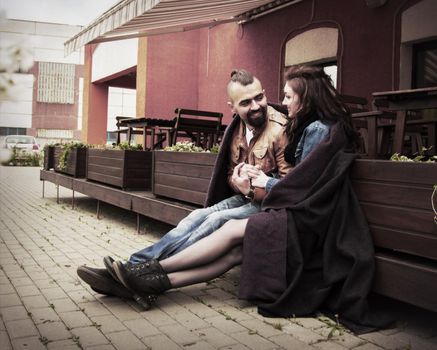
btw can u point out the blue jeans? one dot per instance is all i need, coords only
(200, 223)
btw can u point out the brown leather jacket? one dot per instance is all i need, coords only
(265, 149)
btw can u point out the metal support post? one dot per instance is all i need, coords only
(98, 209)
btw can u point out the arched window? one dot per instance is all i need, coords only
(316, 46)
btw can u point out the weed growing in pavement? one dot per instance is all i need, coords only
(227, 317)
(334, 326)
(44, 340)
(76, 341)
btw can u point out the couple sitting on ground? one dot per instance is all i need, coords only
(280, 204)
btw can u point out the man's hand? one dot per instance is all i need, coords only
(240, 178)
(258, 177)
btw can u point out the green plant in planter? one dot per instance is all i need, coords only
(420, 157)
(66, 148)
(47, 145)
(22, 158)
(186, 146)
(126, 146)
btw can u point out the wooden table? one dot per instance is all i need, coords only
(149, 126)
(402, 101)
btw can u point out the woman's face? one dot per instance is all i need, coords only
(291, 100)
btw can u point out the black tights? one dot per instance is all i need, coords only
(208, 258)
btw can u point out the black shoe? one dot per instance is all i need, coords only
(101, 281)
(139, 279)
(108, 261)
(149, 266)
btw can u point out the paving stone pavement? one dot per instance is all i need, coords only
(43, 304)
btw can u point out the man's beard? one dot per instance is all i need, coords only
(257, 118)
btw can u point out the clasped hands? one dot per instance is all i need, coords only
(246, 176)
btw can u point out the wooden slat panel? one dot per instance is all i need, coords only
(194, 171)
(404, 241)
(185, 157)
(47, 175)
(106, 153)
(107, 194)
(201, 185)
(181, 194)
(65, 181)
(107, 179)
(418, 197)
(104, 170)
(383, 170)
(407, 219)
(114, 162)
(159, 210)
(409, 281)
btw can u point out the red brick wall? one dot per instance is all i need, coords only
(172, 73)
(191, 69)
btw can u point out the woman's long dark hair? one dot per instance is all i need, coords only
(319, 101)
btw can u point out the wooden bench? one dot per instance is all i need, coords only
(396, 200)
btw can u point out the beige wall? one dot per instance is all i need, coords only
(425, 13)
(312, 46)
(141, 77)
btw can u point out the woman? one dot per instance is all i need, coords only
(317, 118)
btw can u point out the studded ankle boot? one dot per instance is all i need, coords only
(145, 285)
(149, 266)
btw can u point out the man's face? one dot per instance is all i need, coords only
(249, 102)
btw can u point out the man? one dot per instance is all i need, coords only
(256, 136)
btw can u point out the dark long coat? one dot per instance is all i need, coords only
(310, 248)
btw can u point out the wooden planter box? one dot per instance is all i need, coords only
(49, 158)
(183, 176)
(396, 200)
(75, 162)
(125, 169)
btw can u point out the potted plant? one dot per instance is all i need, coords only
(183, 172)
(49, 155)
(70, 158)
(124, 166)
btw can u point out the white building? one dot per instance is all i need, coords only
(47, 102)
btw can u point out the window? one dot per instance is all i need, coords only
(56, 83)
(424, 72)
(330, 69)
(12, 131)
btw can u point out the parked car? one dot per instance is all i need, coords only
(22, 142)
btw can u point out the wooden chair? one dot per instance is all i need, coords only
(355, 103)
(120, 129)
(202, 127)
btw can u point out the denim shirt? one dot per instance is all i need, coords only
(314, 134)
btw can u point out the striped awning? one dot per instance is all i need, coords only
(135, 18)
